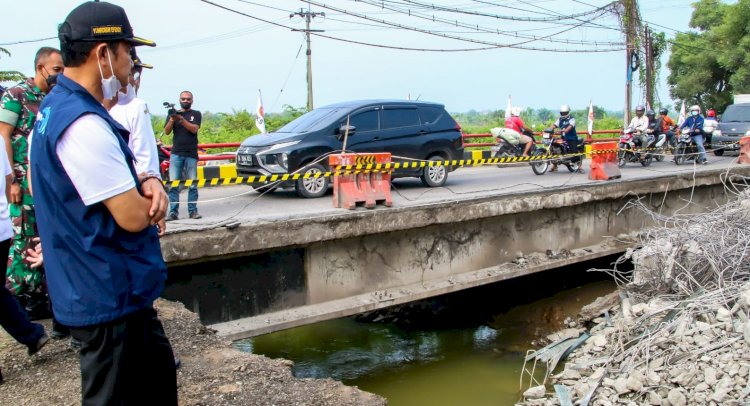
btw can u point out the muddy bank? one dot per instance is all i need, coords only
(212, 373)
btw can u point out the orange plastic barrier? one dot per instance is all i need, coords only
(744, 150)
(368, 188)
(604, 161)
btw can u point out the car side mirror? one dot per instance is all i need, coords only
(344, 128)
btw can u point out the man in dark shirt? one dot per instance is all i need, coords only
(183, 163)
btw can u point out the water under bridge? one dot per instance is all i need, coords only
(255, 264)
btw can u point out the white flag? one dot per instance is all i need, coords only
(683, 114)
(260, 118)
(507, 109)
(591, 118)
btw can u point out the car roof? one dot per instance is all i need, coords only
(355, 104)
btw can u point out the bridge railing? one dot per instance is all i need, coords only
(466, 138)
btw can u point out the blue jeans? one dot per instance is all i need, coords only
(699, 144)
(183, 168)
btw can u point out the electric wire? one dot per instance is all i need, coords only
(548, 38)
(493, 45)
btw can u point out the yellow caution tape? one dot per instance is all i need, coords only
(367, 167)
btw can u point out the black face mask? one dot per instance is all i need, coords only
(185, 105)
(51, 81)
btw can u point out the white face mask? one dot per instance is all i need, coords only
(110, 85)
(125, 98)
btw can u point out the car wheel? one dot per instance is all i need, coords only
(309, 187)
(435, 176)
(719, 152)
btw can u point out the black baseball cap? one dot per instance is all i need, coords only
(137, 62)
(96, 21)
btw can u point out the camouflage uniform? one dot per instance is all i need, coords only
(18, 107)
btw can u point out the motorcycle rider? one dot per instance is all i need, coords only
(710, 124)
(695, 124)
(567, 125)
(515, 123)
(667, 125)
(640, 124)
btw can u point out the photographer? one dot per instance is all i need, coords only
(183, 164)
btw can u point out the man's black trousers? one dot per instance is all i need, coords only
(128, 361)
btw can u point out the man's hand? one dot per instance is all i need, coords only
(34, 255)
(16, 196)
(153, 189)
(161, 226)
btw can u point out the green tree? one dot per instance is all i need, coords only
(10, 76)
(704, 64)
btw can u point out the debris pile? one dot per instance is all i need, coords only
(676, 332)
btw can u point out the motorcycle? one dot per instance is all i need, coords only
(554, 145)
(686, 149)
(629, 148)
(657, 147)
(164, 154)
(506, 149)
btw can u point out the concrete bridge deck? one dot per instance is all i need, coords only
(432, 241)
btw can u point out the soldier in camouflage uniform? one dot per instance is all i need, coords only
(18, 109)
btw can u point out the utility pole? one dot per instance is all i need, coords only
(630, 24)
(308, 16)
(649, 50)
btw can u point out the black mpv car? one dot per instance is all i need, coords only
(406, 129)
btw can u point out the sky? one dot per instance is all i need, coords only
(225, 58)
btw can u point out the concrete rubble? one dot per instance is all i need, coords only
(663, 338)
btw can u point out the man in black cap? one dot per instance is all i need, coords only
(97, 218)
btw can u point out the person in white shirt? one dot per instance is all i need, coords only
(640, 124)
(132, 113)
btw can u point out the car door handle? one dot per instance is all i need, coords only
(376, 139)
(423, 132)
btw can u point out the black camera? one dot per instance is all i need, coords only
(172, 111)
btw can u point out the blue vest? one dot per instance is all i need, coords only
(96, 271)
(563, 123)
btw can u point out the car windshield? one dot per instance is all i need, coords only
(736, 114)
(312, 120)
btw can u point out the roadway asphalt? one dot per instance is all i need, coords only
(225, 205)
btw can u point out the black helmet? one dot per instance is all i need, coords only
(640, 108)
(663, 111)
(651, 113)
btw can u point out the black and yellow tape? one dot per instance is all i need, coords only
(366, 168)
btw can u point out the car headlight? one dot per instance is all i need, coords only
(717, 133)
(284, 161)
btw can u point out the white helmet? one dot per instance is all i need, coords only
(515, 111)
(695, 107)
(564, 110)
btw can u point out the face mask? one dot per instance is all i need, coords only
(50, 79)
(186, 105)
(124, 98)
(110, 85)
(693, 113)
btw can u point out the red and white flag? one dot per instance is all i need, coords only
(683, 114)
(260, 115)
(507, 110)
(591, 118)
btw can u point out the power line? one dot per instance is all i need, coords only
(491, 45)
(27, 41)
(504, 17)
(528, 38)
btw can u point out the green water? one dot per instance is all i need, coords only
(470, 353)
